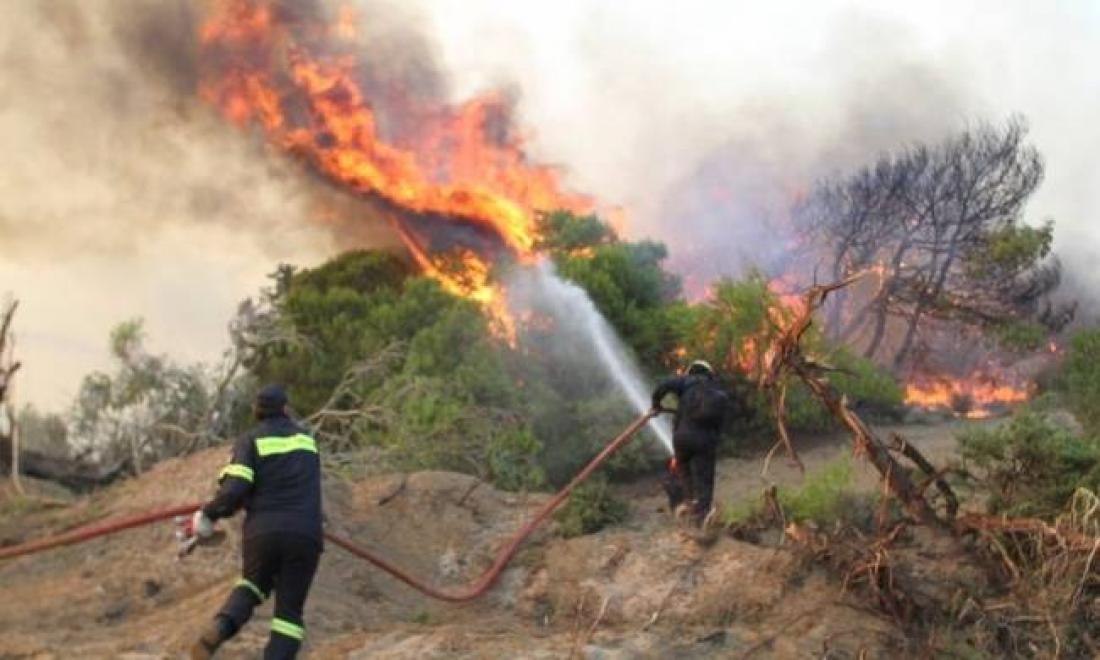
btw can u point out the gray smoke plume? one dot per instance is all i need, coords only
(123, 194)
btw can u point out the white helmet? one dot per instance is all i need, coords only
(700, 367)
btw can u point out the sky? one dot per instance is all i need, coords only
(118, 201)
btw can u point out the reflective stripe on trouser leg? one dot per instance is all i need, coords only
(252, 588)
(281, 647)
(288, 629)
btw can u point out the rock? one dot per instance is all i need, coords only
(151, 588)
(634, 647)
(115, 612)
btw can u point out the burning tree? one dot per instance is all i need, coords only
(454, 182)
(943, 228)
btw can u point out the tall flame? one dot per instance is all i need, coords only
(262, 71)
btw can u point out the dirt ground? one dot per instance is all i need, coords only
(638, 590)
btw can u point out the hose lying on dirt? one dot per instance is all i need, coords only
(475, 590)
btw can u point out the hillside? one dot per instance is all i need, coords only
(636, 590)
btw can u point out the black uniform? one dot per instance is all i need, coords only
(275, 475)
(695, 442)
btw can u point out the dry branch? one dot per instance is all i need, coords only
(785, 358)
(900, 445)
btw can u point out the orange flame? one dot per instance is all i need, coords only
(975, 394)
(788, 292)
(308, 103)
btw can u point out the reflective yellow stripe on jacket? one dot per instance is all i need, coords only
(236, 470)
(273, 445)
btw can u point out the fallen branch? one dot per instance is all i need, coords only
(899, 444)
(780, 403)
(785, 357)
(1069, 539)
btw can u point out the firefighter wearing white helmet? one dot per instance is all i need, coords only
(700, 412)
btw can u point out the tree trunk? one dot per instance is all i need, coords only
(910, 335)
(879, 334)
(8, 368)
(13, 433)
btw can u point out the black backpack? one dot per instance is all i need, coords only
(705, 403)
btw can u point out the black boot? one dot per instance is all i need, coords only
(212, 636)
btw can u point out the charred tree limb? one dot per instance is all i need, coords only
(780, 410)
(785, 357)
(899, 444)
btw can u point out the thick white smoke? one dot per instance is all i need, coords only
(705, 119)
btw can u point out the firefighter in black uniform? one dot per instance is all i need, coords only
(700, 412)
(275, 475)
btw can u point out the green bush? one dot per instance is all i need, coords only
(590, 508)
(865, 383)
(1080, 379)
(1021, 335)
(824, 497)
(1030, 466)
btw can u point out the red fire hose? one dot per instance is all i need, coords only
(475, 590)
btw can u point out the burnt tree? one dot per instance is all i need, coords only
(9, 435)
(943, 228)
(18, 460)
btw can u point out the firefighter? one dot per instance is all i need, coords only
(275, 476)
(700, 412)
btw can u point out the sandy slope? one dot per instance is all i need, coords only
(127, 596)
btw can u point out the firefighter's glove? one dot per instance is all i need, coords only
(195, 528)
(201, 525)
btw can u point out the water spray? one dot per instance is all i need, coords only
(572, 305)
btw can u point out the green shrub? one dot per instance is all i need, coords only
(590, 508)
(866, 383)
(1080, 379)
(823, 495)
(1021, 335)
(1029, 465)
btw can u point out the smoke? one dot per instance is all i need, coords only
(706, 120)
(709, 146)
(122, 194)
